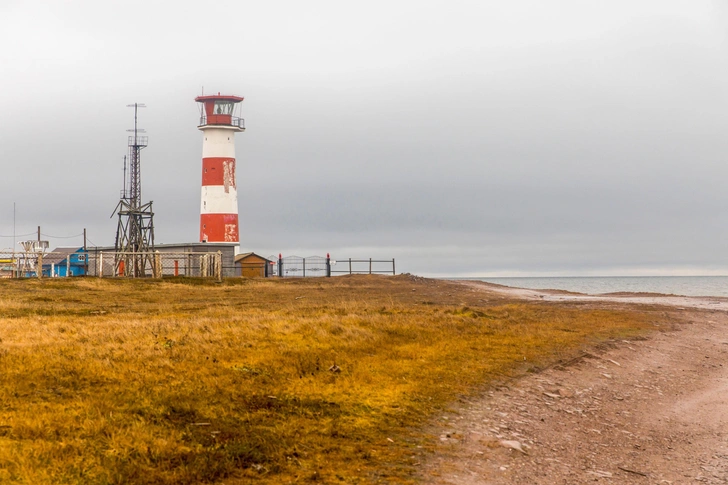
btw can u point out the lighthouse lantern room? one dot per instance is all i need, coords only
(219, 121)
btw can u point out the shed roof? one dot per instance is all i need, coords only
(240, 257)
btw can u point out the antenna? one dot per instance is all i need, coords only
(123, 190)
(136, 143)
(135, 231)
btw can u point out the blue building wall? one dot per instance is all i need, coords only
(77, 265)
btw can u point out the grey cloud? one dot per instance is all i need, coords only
(459, 137)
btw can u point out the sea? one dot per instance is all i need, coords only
(595, 285)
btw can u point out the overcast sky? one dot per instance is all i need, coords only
(459, 137)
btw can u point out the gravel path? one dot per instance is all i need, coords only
(651, 411)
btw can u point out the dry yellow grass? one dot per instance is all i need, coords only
(174, 382)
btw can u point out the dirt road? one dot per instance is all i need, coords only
(651, 411)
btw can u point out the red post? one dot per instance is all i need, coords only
(176, 267)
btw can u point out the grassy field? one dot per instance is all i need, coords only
(288, 381)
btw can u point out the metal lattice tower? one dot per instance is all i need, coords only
(135, 230)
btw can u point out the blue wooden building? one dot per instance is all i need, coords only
(63, 262)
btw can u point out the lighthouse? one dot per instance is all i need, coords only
(219, 121)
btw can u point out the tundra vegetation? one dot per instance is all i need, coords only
(273, 381)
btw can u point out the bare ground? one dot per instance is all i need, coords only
(651, 411)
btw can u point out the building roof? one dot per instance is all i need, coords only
(58, 255)
(178, 245)
(243, 256)
(198, 243)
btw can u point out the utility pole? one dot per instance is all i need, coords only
(85, 254)
(15, 264)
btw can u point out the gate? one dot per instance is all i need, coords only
(295, 266)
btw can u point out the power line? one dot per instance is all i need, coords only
(42, 234)
(62, 237)
(20, 235)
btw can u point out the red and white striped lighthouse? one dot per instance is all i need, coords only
(219, 121)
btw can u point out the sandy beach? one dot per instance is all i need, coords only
(652, 410)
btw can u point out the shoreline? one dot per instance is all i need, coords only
(643, 298)
(704, 286)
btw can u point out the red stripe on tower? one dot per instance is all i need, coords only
(219, 227)
(219, 200)
(218, 171)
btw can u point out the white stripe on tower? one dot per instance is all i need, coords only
(216, 201)
(218, 141)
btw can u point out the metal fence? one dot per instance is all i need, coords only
(312, 266)
(364, 266)
(108, 264)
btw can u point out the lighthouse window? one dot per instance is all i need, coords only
(223, 108)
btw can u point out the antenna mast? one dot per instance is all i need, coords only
(136, 143)
(135, 231)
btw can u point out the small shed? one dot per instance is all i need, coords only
(253, 265)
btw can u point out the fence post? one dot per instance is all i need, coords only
(304, 267)
(393, 273)
(100, 264)
(349, 265)
(328, 265)
(203, 265)
(218, 266)
(68, 266)
(39, 269)
(370, 265)
(280, 265)
(157, 270)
